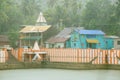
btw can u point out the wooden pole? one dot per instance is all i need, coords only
(30, 57)
(29, 39)
(41, 39)
(20, 43)
(77, 55)
(25, 40)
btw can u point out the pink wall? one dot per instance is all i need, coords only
(79, 55)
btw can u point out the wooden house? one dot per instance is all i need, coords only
(111, 42)
(117, 43)
(4, 40)
(30, 33)
(87, 39)
(62, 39)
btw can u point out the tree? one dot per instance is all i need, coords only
(30, 10)
(66, 13)
(51, 3)
(5, 6)
(115, 18)
(14, 37)
(97, 15)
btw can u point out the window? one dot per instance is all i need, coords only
(74, 44)
(106, 42)
(112, 42)
(100, 44)
(59, 46)
(75, 37)
(82, 35)
(118, 42)
(52, 46)
(91, 36)
(82, 44)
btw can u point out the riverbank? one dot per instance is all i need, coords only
(73, 66)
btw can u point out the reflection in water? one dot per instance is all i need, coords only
(59, 74)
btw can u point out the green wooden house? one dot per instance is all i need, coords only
(110, 42)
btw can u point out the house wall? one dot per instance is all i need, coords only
(80, 42)
(101, 40)
(59, 45)
(116, 43)
(83, 43)
(68, 44)
(4, 40)
(2, 43)
(47, 45)
(109, 43)
(75, 40)
(50, 45)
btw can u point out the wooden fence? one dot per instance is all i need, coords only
(77, 55)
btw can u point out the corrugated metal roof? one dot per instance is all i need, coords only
(111, 37)
(31, 29)
(4, 38)
(65, 32)
(57, 40)
(63, 35)
(91, 32)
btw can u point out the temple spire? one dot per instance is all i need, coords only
(41, 20)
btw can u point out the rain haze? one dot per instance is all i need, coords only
(63, 39)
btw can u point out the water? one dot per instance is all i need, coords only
(59, 74)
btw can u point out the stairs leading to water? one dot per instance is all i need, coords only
(12, 59)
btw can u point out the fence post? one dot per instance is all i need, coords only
(20, 50)
(77, 55)
(106, 57)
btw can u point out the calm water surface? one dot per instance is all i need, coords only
(59, 74)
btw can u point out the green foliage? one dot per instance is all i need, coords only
(30, 11)
(64, 14)
(13, 37)
(99, 14)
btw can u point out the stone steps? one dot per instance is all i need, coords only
(11, 59)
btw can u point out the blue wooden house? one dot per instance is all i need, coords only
(87, 39)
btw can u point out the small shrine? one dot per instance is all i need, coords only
(30, 33)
